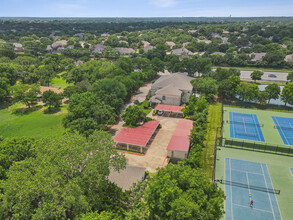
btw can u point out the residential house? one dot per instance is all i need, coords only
(219, 53)
(226, 32)
(289, 59)
(182, 52)
(148, 47)
(173, 89)
(125, 51)
(105, 35)
(18, 47)
(98, 48)
(57, 46)
(171, 44)
(257, 57)
(192, 31)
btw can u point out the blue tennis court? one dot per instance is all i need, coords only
(285, 129)
(291, 169)
(254, 176)
(245, 126)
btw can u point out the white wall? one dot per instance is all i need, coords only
(177, 154)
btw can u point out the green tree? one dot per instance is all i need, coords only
(242, 91)
(67, 177)
(253, 92)
(287, 94)
(273, 91)
(13, 150)
(133, 116)
(256, 75)
(290, 77)
(4, 88)
(51, 99)
(205, 86)
(27, 94)
(70, 90)
(180, 192)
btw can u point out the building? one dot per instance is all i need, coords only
(57, 46)
(171, 44)
(178, 147)
(218, 53)
(289, 59)
(182, 52)
(173, 89)
(18, 47)
(98, 48)
(126, 177)
(257, 57)
(148, 47)
(169, 111)
(137, 139)
(125, 51)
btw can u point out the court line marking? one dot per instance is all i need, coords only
(248, 183)
(233, 125)
(231, 189)
(282, 131)
(268, 192)
(252, 208)
(256, 127)
(247, 172)
(274, 195)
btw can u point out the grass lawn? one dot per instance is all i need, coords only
(214, 121)
(16, 120)
(258, 68)
(59, 82)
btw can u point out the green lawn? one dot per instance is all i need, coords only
(214, 121)
(59, 82)
(17, 121)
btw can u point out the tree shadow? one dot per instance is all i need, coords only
(50, 111)
(26, 111)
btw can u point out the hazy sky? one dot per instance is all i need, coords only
(145, 8)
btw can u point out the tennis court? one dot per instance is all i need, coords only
(245, 126)
(291, 169)
(285, 128)
(246, 181)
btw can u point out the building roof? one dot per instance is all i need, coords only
(169, 90)
(180, 139)
(124, 50)
(289, 58)
(148, 47)
(137, 136)
(17, 44)
(179, 80)
(219, 53)
(59, 43)
(182, 52)
(98, 48)
(170, 43)
(258, 56)
(127, 177)
(169, 108)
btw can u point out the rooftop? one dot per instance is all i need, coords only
(170, 108)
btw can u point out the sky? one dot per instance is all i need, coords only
(145, 8)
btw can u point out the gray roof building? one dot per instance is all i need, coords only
(125, 51)
(127, 177)
(289, 59)
(257, 57)
(148, 47)
(98, 48)
(183, 52)
(173, 89)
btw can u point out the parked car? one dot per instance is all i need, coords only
(272, 75)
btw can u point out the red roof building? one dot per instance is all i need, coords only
(179, 144)
(137, 137)
(169, 108)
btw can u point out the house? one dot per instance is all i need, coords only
(173, 89)
(192, 31)
(219, 53)
(126, 177)
(225, 40)
(98, 48)
(79, 35)
(289, 59)
(78, 62)
(57, 46)
(147, 48)
(105, 35)
(183, 52)
(125, 51)
(123, 42)
(18, 47)
(257, 57)
(145, 43)
(226, 32)
(171, 44)
(205, 41)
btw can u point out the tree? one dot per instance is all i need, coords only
(51, 99)
(26, 94)
(252, 92)
(273, 91)
(67, 177)
(290, 77)
(180, 192)
(13, 150)
(133, 116)
(70, 90)
(242, 91)
(4, 88)
(287, 94)
(88, 113)
(256, 75)
(228, 87)
(205, 86)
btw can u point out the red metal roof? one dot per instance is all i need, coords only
(180, 139)
(179, 143)
(170, 108)
(137, 136)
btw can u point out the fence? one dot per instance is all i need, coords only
(258, 146)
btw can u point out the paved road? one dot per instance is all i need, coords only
(280, 77)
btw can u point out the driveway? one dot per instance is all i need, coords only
(156, 155)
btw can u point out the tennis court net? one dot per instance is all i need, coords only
(245, 123)
(242, 185)
(284, 127)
